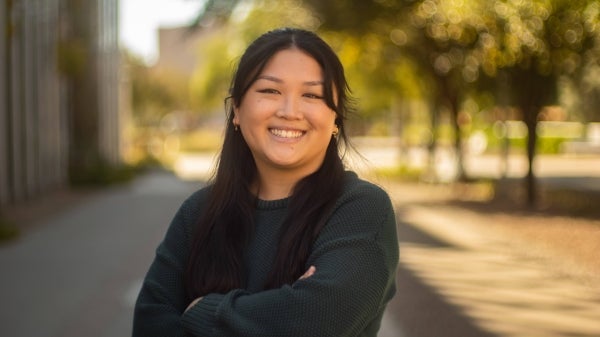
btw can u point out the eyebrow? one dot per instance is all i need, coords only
(278, 80)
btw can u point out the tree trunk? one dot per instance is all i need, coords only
(458, 140)
(431, 173)
(450, 100)
(530, 179)
(533, 91)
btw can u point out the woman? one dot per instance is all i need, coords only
(284, 241)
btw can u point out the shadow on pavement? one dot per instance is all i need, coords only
(464, 274)
(418, 308)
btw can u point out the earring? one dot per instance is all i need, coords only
(236, 127)
(335, 131)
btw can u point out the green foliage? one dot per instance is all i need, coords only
(103, 173)
(545, 145)
(378, 76)
(210, 80)
(219, 54)
(154, 94)
(357, 18)
(438, 49)
(402, 173)
(442, 51)
(260, 16)
(550, 145)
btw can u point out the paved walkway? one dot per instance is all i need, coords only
(460, 276)
(77, 272)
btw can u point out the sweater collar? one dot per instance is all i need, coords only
(272, 204)
(283, 203)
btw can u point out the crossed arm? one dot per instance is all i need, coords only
(309, 272)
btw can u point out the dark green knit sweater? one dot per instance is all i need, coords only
(355, 255)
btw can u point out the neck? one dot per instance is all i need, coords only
(272, 188)
(277, 184)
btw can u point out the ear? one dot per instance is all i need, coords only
(236, 118)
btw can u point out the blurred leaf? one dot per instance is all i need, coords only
(153, 93)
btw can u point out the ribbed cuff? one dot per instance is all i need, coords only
(201, 319)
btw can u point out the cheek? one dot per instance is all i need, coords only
(323, 122)
(255, 110)
(331, 118)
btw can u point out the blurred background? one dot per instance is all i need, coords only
(480, 117)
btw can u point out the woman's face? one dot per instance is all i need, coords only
(283, 116)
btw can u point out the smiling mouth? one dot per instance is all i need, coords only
(287, 133)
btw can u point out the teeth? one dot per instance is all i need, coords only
(286, 133)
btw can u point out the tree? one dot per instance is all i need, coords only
(154, 93)
(443, 36)
(536, 43)
(210, 82)
(589, 87)
(439, 37)
(456, 44)
(387, 47)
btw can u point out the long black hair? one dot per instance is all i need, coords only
(222, 233)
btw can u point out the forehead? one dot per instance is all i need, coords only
(293, 62)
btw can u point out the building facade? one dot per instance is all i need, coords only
(178, 48)
(59, 68)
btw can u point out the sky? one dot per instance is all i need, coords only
(140, 19)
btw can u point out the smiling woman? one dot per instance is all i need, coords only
(286, 122)
(283, 241)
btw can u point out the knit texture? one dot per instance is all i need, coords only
(355, 255)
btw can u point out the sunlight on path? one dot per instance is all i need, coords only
(509, 295)
(194, 166)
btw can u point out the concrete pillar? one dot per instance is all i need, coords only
(4, 162)
(15, 109)
(108, 68)
(29, 97)
(46, 116)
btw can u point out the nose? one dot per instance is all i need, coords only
(290, 108)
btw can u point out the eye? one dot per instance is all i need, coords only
(268, 91)
(313, 96)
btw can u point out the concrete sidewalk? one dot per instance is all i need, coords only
(77, 272)
(464, 273)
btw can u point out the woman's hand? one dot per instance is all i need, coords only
(309, 272)
(192, 304)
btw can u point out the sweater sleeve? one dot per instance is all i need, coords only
(355, 256)
(161, 300)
